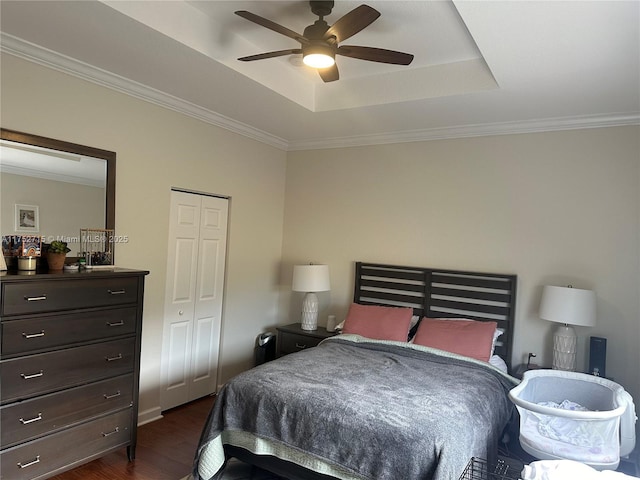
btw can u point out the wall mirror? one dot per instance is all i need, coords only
(52, 189)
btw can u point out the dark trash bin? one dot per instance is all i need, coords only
(265, 347)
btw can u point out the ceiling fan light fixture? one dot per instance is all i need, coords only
(318, 56)
(318, 60)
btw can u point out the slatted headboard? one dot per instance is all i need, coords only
(439, 293)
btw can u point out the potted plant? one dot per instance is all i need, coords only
(56, 254)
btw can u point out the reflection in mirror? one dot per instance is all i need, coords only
(52, 189)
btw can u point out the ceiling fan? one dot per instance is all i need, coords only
(319, 43)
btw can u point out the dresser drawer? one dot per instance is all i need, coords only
(41, 296)
(291, 342)
(48, 454)
(48, 372)
(45, 332)
(30, 419)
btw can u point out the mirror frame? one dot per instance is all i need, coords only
(52, 144)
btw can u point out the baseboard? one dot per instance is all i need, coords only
(150, 415)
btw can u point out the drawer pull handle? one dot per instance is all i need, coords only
(111, 433)
(31, 420)
(28, 464)
(36, 299)
(116, 324)
(113, 395)
(33, 335)
(113, 359)
(33, 375)
(302, 347)
(122, 291)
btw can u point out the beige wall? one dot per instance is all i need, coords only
(554, 208)
(158, 149)
(61, 213)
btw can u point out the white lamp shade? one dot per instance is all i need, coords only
(571, 306)
(310, 278)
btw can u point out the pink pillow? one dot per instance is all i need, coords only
(378, 322)
(464, 337)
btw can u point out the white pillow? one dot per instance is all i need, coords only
(498, 362)
(496, 334)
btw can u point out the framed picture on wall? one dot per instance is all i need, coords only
(27, 218)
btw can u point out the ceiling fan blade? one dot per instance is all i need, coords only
(278, 53)
(371, 54)
(330, 74)
(351, 23)
(272, 26)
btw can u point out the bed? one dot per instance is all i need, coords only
(358, 407)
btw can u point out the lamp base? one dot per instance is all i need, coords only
(310, 312)
(564, 349)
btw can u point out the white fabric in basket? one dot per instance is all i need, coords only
(567, 469)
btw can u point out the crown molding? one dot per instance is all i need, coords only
(62, 63)
(48, 58)
(477, 130)
(56, 177)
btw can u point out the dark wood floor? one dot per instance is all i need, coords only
(165, 449)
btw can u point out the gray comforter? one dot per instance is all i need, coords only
(353, 408)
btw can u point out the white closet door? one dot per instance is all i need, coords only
(209, 290)
(193, 297)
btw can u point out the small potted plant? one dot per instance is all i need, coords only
(56, 254)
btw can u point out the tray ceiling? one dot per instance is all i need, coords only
(481, 67)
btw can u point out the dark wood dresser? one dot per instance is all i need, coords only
(69, 367)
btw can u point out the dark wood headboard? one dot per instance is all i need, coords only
(439, 293)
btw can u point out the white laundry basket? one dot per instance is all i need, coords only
(598, 436)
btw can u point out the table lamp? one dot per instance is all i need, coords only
(310, 279)
(567, 306)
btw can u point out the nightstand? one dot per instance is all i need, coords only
(292, 338)
(523, 367)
